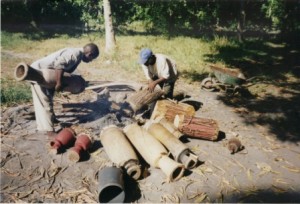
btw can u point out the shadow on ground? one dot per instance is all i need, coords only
(269, 57)
(265, 196)
(274, 99)
(86, 112)
(279, 114)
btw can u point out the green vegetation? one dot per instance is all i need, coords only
(14, 93)
(13, 40)
(166, 17)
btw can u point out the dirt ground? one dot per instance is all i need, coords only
(267, 170)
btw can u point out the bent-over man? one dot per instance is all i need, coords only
(64, 60)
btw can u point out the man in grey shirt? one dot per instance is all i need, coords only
(64, 60)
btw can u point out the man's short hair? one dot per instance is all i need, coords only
(94, 49)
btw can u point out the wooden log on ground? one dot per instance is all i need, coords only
(169, 109)
(143, 97)
(197, 127)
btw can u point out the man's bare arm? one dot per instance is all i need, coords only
(58, 74)
(152, 84)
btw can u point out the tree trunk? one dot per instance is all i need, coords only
(110, 41)
(241, 21)
(143, 97)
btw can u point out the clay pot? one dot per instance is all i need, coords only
(65, 138)
(111, 185)
(83, 143)
(235, 145)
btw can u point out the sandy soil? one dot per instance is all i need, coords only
(267, 170)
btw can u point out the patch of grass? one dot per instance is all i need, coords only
(12, 41)
(14, 93)
(220, 42)
(187, 52)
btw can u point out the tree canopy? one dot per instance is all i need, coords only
(161, 16)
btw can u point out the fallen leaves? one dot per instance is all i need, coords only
(292, 169)
(79, 196)
(249, 174)
(279, 159)
(265, 168)
(197, 196)
(53, 170)
(278, 189)
(170, 199)
(9, 173)
(25, 194)
(203, 170)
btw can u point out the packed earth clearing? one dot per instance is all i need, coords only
(266, 170)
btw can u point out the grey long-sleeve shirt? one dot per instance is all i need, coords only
(67, 59)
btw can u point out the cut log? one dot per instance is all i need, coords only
(143, 97)
(197, 127)
(169, 109)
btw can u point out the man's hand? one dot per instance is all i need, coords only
(151, 86)
(58, 87)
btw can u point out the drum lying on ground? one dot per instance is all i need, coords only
(47, 78)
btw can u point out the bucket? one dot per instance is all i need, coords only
(111, 185)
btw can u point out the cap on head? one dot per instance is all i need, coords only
(145, 54)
